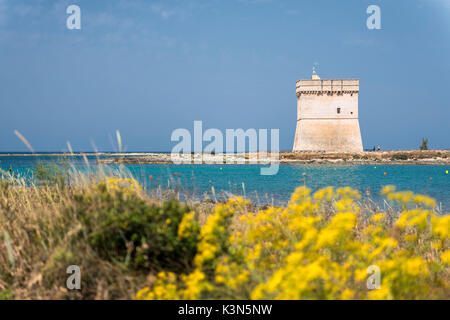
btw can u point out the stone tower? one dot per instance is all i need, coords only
(327, 115)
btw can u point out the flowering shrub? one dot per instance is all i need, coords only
(123, 226)
(124, 186)
(320, 246)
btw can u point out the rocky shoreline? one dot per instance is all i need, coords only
(407, 157)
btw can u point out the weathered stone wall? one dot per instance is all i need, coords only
(324, 106)
(327, 116)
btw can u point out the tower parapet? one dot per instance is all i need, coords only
(327, 86)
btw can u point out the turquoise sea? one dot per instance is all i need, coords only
(198, 180)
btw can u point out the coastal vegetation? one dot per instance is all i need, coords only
(129, 244)
(424, 145)
(438, 157)
(370, 157)
(399, 156)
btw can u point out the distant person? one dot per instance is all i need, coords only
(379, 148)
(374, 148)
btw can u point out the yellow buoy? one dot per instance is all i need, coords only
(446, 172)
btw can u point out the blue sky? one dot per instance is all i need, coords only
(149, 67)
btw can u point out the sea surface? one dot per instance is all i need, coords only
(215, 181)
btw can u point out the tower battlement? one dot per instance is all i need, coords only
(327, 86)
(327, 115)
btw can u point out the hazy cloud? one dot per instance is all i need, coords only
(162, 12)
(3, 12)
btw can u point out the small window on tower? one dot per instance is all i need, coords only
(338, 110)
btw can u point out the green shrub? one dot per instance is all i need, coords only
(399, 156)
(123, 227)
(424, 145)
(4, 184)
(6, 294)
(50, 175)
